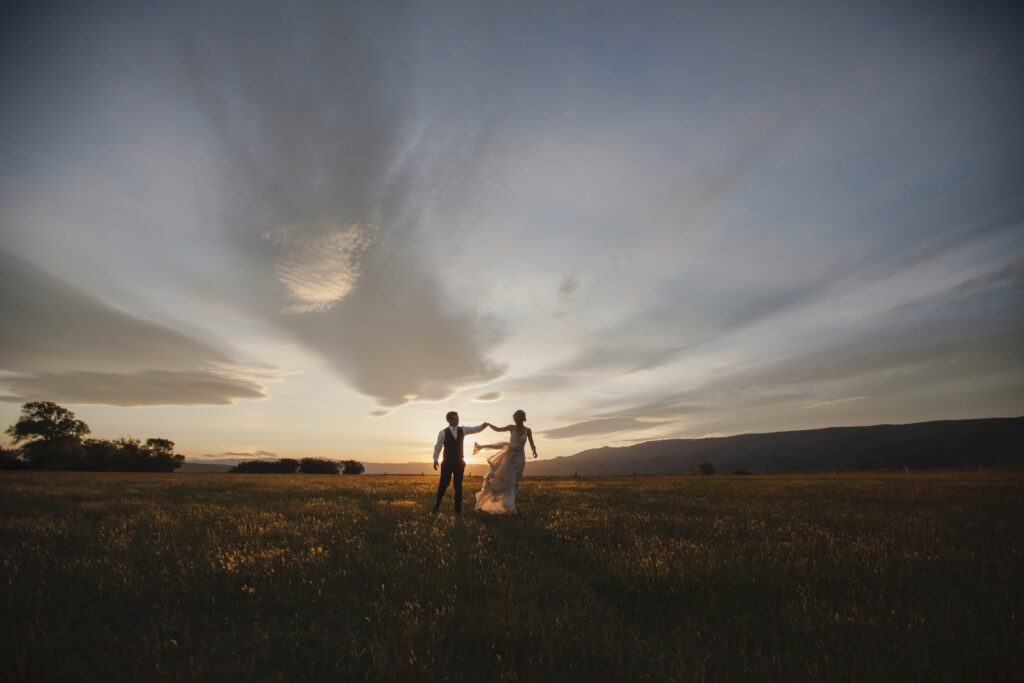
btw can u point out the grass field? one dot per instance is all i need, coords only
(872, 577)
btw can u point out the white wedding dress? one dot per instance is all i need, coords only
(498, 494)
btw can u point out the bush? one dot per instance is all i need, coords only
(317, 466)
(704, 468)
(10, 459)
(282, 466)
(129, 455)
(64, 453)
(352, 467)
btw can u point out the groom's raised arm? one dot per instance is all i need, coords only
(474, 430)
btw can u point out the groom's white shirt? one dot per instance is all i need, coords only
(455, 432)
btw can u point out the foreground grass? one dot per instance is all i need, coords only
(271, 577)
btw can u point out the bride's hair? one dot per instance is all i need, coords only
(518, 413)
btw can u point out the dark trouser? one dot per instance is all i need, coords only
(449, 472)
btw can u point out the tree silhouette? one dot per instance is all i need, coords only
(130, 455)
(161, 456)
(317, 466)
(52, 438)
(52, 435)
(282, 466)
(46, 421)
(352, 467)
(704, 468)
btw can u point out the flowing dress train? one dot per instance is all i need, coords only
(497, 496)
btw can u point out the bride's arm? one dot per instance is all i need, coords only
(502, 429)
(529, 436)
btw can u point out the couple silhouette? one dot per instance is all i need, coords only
(505, 467)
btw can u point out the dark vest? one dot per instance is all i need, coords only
(453, 446)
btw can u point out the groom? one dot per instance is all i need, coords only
(453, 465)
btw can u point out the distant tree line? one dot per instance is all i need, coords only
(304, 466)
(51, 438)
(282, 466)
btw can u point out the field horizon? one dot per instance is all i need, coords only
(874, 576)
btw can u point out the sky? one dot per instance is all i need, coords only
(311, 229)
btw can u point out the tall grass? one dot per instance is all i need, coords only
(870, 577)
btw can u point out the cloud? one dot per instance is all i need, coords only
(925, 351)
(318, 136)
(598, 427)
(709, 399)
(146, 388)
(319, 270)
(234, 457)
(672, 325)
(47, 324)
(58, 343)
(242, 454)
(395, 339)
(996, 288)
(837, 401)
(489, 397)
(568, 287)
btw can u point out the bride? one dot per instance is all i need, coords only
(498, 494)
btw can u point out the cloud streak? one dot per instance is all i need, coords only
(921, 350)
(145, 388)
(599, 427)
(60, 344)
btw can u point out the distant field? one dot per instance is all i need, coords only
(874, 577)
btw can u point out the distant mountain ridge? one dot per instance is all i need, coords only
(991, 442)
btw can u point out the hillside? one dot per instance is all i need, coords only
(994, 442)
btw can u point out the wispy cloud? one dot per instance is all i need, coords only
(58, 343)
(837, 401)
(145, 388)
(599, 427)
(921, 350)
(318, 268)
